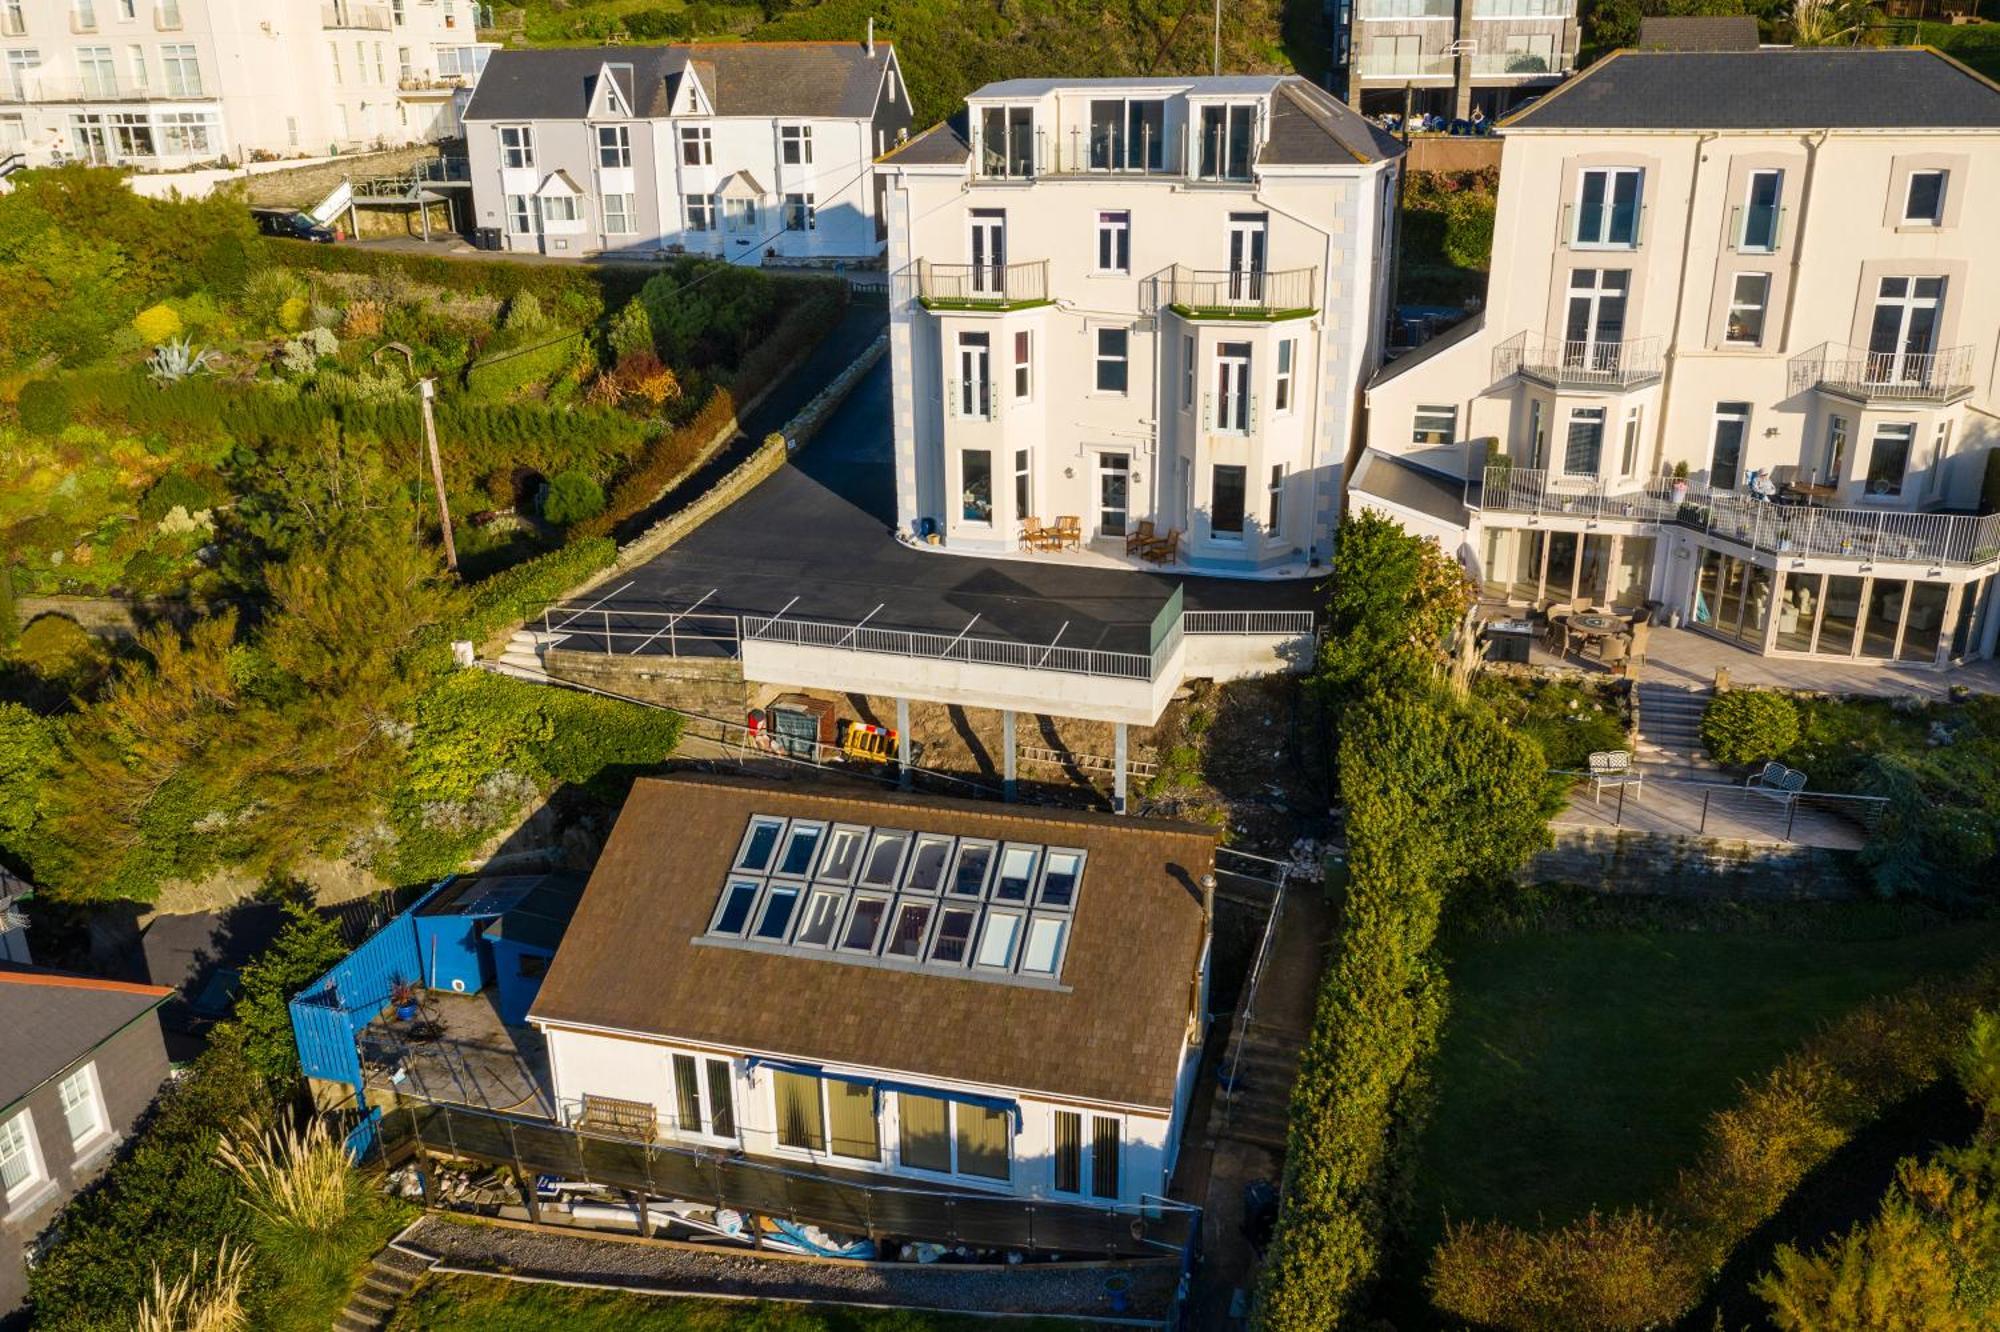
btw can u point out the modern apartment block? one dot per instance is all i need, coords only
(741, 150)
(1737, 357)
(1454, 54)
(167, 84)
(1137, 301)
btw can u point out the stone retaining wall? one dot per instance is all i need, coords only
(1627, 861)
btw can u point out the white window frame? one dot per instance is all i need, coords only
(92, 1094)
(1189, 366)
(19, 1142)
(700, 212)
(1940, 450)
(181, 63)
(801, 212)
(1024, 483)
(1936, 216)
(795, 145)
(560, 207)
(739, 214)
(1424, 422)
(1777, 211)
(1221, 534)
(519, 154)
(1907, 431)
(1603, 420)
(1113, 254)
(1736, 302)
(1101, 360)
(698, 141)
(1833, 455)
(520, 215)
(826, 1153)
(1086, 1158)
(1024, 365)
(1235, 403)
(1284, 388)
(1628, 441)
(703, 1100)
(1274, 504)
(614, 146)
(1603, 241)
(622, 220)
(894, 1144)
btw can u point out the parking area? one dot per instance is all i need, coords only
(817, 541)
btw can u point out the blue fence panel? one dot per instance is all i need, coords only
(361, 1138)
(327, 1013)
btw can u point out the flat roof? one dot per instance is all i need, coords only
(1114, 1030)
(1777, 88)
(1199, 85)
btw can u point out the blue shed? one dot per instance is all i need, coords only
(524, 938)
(452, 927)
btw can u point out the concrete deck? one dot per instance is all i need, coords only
(1666, 807)
(475, 1061)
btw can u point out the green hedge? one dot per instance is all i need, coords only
(508, 596)
(556, 286)
(1749, 726)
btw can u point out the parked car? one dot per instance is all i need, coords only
(290, 222)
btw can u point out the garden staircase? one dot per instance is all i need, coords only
(522, 657)
(392, 1274)
(1670, 724)
(1258, 1107)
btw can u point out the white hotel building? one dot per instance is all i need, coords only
(169, 84)
(1137, 301)
(1737, 358)
(742, 150)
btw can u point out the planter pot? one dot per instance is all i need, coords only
(406, 1012)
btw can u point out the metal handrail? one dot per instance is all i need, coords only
(1575, 363)
(1238, 291)
(984, 284)
(1894, 376)
(950, 647)
(1247, 622)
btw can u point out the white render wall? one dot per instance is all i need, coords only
(1332, 221)
(839, 178)
(637, 1069)
(1837, 240)
(267, 76)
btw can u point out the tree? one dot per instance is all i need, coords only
(1395, 601)
(572, 496)
(27, 755)
(303, 950)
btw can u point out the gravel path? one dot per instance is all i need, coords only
(1037, 1288)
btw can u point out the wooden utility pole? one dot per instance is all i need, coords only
(426, 390)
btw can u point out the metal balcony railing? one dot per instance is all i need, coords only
(957, 647)
(983, 286)
(1570, 364)
(1519, 9)
(1397, 65)
(1792, 530)
(1235, 417)
(971, 400)
(1933, 377)
(29, 91)
(1756, 228)
(1202, 293)
(432, 83)
(1405, 9)
(1603, 226)
(370, 18)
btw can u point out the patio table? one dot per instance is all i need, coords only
(1595, 626)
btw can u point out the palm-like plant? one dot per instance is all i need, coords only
(1832, 22)
(175, 360)
(206, 1298)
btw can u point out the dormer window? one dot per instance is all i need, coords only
(612, 103)
(1128, 135)
(1228, 140)
(1007, 142)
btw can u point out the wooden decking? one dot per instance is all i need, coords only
(473, 1060)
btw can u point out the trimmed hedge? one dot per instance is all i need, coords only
(554, 285)
(1747, 726)
(510, 594)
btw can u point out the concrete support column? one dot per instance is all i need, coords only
(903, 743)
(1008, 786)
(1118, 771)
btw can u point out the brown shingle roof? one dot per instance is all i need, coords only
(1114, 1032)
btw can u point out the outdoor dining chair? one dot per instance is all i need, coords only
(1613, 767)
(1140, 537)
(1069, 531)
(1166, 549)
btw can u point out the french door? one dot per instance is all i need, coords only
(989, 251)
(1903, 335)
(1594, 335)
(975, 376)
(1232, 387)
(1114, 493)
(1247, 235)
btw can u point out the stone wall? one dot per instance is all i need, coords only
(1627, 861)
(709, 686)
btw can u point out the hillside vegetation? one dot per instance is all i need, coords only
(950, 47)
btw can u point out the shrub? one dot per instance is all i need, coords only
(524, 314)
(509, 596)
(157, 324)
(361, 319)
(523, 367)
(669, 454)
(293, 313)
(1749, 726)
(198, 1301)
(572, 497)
(59, 650)
(27, 756)
(642, 375)
(45, 406)
(178, 490)
(631, 331)
(295, 1176)
(1629, 1271)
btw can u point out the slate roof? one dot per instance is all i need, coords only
(829, 80)
(1776, 89)
(1113, 1032)
(1416, 356)
(51, 1020)
(1699, 32)
(1308, 125)
(540, 919)
(1410, 485)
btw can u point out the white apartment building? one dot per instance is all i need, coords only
(1738, 357)
(1452, 54)
(741, 150)
(1137, 301)
(168, 84)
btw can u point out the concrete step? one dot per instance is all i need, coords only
(536, 674)
(350, 1321)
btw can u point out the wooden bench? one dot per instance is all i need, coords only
(636, 1120)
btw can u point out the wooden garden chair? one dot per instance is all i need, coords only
(1166, 548)
(1140, 537)
(1069, 531)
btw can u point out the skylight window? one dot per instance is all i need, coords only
(894, 898)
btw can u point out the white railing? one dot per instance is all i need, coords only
(1795, 530)
(607, 630)
(1886, 376)
(1579, 364)
(1521, 64)
(26, 90)
(1395, 65)
(1513, 9)
(371, 18)
(1247, 622)
(1405, 9)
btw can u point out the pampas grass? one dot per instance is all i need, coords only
(296, 1177)
(206, 1298)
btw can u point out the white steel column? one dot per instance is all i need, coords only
(903, 743)
(1008, 786)
(1118, 771)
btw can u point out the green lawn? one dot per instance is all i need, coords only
(1976, 45)
(477, 1304)
(1577, 1068)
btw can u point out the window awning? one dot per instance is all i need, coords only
(1005, 1104)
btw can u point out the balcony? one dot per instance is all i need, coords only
(983, 286)
(1199, 293)
(1516, 65)
(1756, 228)
(1611, 367)
(1405, 9)
(433, 83)
(1794, 531)
(167, 16)
(33, 91)
(1931, 378)
(1398, 65)
(1523, 9)
(368, 18)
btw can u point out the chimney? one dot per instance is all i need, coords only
(869, 45)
